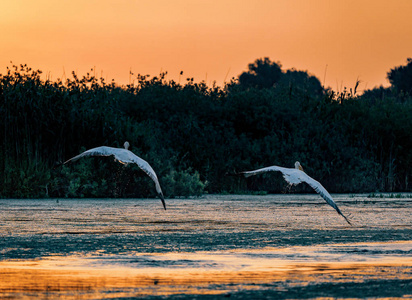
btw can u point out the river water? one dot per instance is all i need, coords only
(212, 247)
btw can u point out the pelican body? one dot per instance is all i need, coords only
(124, 156)
(295, 176)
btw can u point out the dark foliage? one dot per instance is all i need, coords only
(263, 73)
(401, 78)
(193, 135)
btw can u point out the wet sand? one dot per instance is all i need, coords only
(266, 247)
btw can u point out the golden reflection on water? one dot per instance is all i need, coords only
(77, 277)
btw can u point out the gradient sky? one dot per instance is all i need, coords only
(338, 41)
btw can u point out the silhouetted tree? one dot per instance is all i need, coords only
(303, 81)
(401, 77)
(377, 94)
(263, 73)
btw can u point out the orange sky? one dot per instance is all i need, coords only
(207, 39)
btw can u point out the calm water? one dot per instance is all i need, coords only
(275, 246)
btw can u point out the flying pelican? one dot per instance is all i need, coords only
(125, 157)
(296, 176)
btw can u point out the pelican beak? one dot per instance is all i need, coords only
(163, 200)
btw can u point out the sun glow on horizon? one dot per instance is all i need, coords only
(212, 41)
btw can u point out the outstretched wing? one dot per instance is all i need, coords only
(290, 175)
(322, 192)
(98, 151)
(125, 157)
(296, 176)
(263, 170)
(144, 165)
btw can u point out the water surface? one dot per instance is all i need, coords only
(274, 246)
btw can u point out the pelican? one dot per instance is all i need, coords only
(296, 176)
(124, 156)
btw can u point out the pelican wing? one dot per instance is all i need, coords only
(290, 175)
(124, 156)
(296, 176)
(127, 156)
(144, 165)
(318, 187)
(98, 151)
(263, 170)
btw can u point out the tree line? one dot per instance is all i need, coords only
(193, 134)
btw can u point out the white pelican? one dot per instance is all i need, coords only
(296, 176)
(125, 157)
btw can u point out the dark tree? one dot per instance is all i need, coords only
(263, 73)
(401, 77)
(302, 80)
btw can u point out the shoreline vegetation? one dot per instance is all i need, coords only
(193, 134)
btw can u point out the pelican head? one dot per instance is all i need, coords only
(298, 166)
(126, 145)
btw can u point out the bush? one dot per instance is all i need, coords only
(183, 184)
(192, 135)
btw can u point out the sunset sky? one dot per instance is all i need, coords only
(337, 41)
